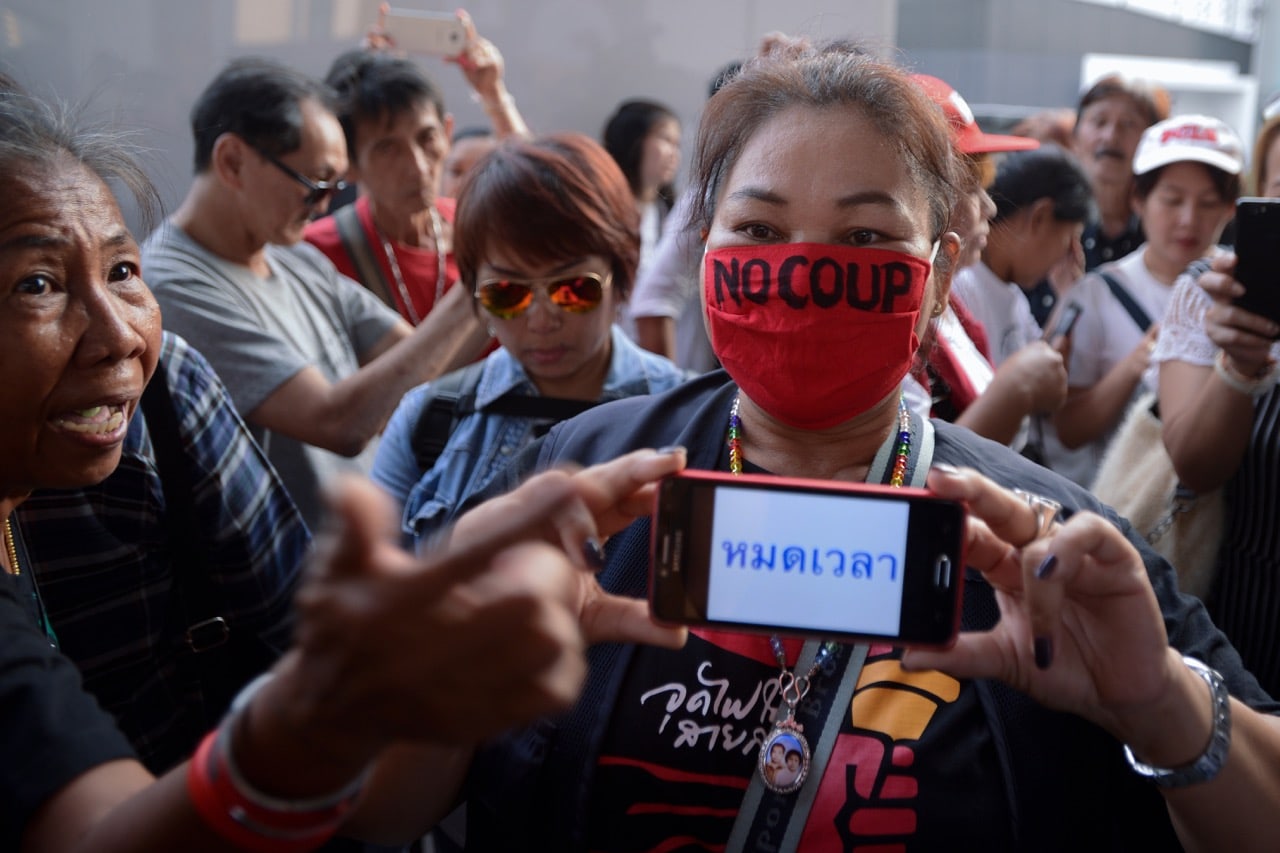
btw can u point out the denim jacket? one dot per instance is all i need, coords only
(483, 443)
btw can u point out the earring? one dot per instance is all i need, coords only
(492, 331)
(938, 308)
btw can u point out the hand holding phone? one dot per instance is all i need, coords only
(431, 33)
(1258, 256)
(1066, 322)
(806, 557)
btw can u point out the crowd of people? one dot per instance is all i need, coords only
(321, 523)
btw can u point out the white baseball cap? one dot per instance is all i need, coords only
(1202, 139)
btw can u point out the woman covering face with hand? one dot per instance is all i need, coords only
(826, 180)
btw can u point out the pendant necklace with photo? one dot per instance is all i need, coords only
(785, 758)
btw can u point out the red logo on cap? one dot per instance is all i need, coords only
(1190, 131)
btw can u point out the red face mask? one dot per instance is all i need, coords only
(814, 334)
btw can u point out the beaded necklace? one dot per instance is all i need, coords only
(12, 548)
(787, 733)
(901, 453)
(28, 580)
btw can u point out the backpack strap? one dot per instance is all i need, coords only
(212, 654)
(453, 396)
(1126, 301)
(543, 408)
(354, 239)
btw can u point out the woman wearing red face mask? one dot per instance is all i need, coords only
(824, 182)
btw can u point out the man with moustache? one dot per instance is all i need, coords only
(314, 362)
(1110, 118)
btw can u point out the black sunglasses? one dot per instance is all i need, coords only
(317, 191)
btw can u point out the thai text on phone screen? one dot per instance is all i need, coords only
(810, 561)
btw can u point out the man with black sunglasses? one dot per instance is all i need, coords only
(313, 361)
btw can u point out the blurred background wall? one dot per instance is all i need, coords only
(142, 62)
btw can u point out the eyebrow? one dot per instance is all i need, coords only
(878, 197)
(113, 240)
(514, 273)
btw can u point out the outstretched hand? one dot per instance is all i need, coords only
(608, 497)
(486, 631)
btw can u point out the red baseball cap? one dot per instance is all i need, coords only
(969, 138)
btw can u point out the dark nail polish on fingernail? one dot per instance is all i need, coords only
(592, 554)
(672, 448)
(1044, 652)
(1046, 567)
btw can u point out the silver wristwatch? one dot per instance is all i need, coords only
(1210, 762)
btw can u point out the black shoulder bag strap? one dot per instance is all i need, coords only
(205, 653)
(356, 242)
(453, 397)
(1126, 301)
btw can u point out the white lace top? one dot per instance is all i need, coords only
(1182, 336)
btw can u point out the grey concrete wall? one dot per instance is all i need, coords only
(568, 61)
(1028, 52)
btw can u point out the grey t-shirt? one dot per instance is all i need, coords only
(258, 333)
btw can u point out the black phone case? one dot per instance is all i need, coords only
(1258, 256)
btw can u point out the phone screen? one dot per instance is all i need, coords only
(831, 568)
(1066, 322)
(789, 556)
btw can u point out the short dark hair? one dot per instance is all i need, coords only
(1152, 101)
(624, 135)
(34, 133)
(377, 86)
(836, 74)
(259, 100)
(1225, 184)
(548, 199)
(1050, 171)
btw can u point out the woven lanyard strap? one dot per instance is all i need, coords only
(771, 821)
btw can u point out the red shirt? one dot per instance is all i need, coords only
(419, 267)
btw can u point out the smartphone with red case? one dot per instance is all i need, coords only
(807, 558)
